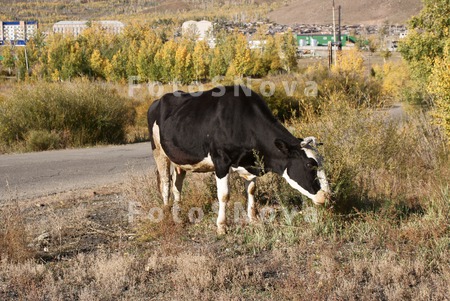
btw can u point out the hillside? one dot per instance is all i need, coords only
(353, 12)
(296, 11)
(50, 11)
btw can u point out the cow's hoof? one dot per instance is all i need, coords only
(253, 220)
(222, 230)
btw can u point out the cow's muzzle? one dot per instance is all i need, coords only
(321, 197)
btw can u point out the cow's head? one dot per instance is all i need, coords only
(304, 170)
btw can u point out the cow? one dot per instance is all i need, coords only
(229, 129)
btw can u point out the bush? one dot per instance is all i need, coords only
(347, 82)
(42, 140)
(81, 113)
(371, 159)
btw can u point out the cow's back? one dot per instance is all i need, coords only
(192, 127)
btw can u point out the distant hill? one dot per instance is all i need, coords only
(353, 11)
(296, 11)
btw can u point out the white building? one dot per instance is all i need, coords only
(17, 32)
(198, 29)
(75, 28)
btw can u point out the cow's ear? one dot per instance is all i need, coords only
(282, 146)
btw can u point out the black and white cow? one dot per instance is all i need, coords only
(221, 130)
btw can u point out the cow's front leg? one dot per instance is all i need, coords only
(177, 179)
(250, 186)
(223, 196)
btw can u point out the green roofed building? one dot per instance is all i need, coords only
(322, 39)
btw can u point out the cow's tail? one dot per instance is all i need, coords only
(152, 117)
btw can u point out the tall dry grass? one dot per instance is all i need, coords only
(14, 235)
(374, 159)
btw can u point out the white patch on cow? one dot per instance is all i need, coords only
(156, 135)
(251, 210)
(244, 173)
(310, 153)
(318, 198)
(250, 188)
(206, 165)
(223, 196)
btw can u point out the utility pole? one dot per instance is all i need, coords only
(334, 35)
(339, 29)
(26, 58)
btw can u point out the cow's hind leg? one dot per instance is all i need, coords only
(177, 179)
(163, 166)
(250, 187)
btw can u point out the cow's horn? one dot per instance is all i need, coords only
(308, 141)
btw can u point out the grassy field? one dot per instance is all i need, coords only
(384, 237)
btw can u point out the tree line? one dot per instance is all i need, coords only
(149, 54)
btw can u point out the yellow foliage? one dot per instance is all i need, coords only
(242, 62)
(350, 64)
(439, 87)
(393, 77)
(96, 62)
(199, 60)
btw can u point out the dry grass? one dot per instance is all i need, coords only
(13, 235)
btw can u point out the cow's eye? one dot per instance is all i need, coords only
(311, 164)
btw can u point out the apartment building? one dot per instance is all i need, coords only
(17, 32)
(75, 28)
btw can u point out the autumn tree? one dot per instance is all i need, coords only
(218, 65)
(165, 61)
(145, 59)
(117, 68)
(182, 69)
(242, 62)
(428, 33)
(426, 49)
(9, 60)
(288, 51)
(271, 57)
(200, 60)
(439, 87)
(97, 64)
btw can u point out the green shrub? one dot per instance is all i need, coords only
(40, 140)
(81, 113)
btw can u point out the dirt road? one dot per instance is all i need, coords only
(38, 174)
